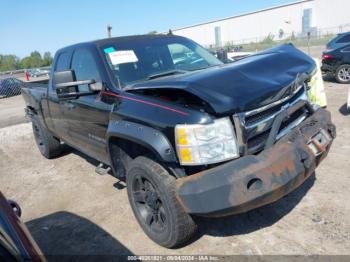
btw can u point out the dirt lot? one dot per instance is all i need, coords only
(70, 209)
(12, 111)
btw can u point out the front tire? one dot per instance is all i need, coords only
(342, 74)
(48, 145)
(152, 195)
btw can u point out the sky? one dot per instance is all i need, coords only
(47, 25)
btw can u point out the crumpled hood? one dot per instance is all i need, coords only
(244, 85)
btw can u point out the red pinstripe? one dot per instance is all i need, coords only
(145, 102)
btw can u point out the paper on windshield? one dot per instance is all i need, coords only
(122, 57)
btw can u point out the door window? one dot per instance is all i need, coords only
(62, 63)
(347, 49)
(344, 39)
(85, 68)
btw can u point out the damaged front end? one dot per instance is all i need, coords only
(256, 180)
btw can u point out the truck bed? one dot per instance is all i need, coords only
(33, 94)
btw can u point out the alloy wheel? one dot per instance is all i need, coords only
(149, 204)
(344, 74)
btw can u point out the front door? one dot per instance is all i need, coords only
(88, 116)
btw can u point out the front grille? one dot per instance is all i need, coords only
(257, 142)
(292, 118)
(260, 116)
(255, 125)
(251, 120)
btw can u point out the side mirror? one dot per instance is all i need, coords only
(63, 77)
(67, 87)
(97, 86)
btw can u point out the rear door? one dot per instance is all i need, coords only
(346, 55)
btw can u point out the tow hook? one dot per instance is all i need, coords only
(318, 143)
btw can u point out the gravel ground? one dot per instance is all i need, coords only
(70, 209)
(12, 111)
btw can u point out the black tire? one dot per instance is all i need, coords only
(48, 145)
(342, 74)
(164, 220)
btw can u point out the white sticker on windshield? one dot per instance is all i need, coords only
(122, 57)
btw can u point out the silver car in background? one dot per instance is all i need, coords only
(38, 72)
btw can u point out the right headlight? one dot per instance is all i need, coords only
(206, 144)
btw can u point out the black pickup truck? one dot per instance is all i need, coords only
(190, 135)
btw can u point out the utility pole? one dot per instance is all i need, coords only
(308, 42)
(109, 31)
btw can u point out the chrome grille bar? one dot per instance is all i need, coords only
(264, 108)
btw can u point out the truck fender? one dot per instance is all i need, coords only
(31, 112)
(145, 136)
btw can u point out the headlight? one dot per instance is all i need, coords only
(206, 144)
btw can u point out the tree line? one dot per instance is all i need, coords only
(13, 62)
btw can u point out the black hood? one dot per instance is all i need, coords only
(244, 85)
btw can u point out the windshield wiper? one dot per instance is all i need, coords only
(166, 73)
(204, 67)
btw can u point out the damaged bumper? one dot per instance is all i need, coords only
(256, 180)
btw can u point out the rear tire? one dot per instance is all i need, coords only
(48, 145)
(152, 196)
(342, 74)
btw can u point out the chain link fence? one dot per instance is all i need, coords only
(10, 87)
(315, 37)
(11, 81)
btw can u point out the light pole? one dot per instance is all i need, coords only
(308, 42)
(109, 31)
(289, 22)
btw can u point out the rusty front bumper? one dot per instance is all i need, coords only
(256, 180)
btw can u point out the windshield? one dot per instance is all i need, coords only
(135, 60)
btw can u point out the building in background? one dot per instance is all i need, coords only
(316, 17)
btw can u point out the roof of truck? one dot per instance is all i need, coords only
(130, 37)
(106, 41)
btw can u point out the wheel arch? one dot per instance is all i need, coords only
(127, 140)
(30, 110)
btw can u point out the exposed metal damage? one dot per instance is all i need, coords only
(256, 180)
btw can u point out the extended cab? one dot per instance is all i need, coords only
(191, 135)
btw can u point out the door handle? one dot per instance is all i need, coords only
(69, 105)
